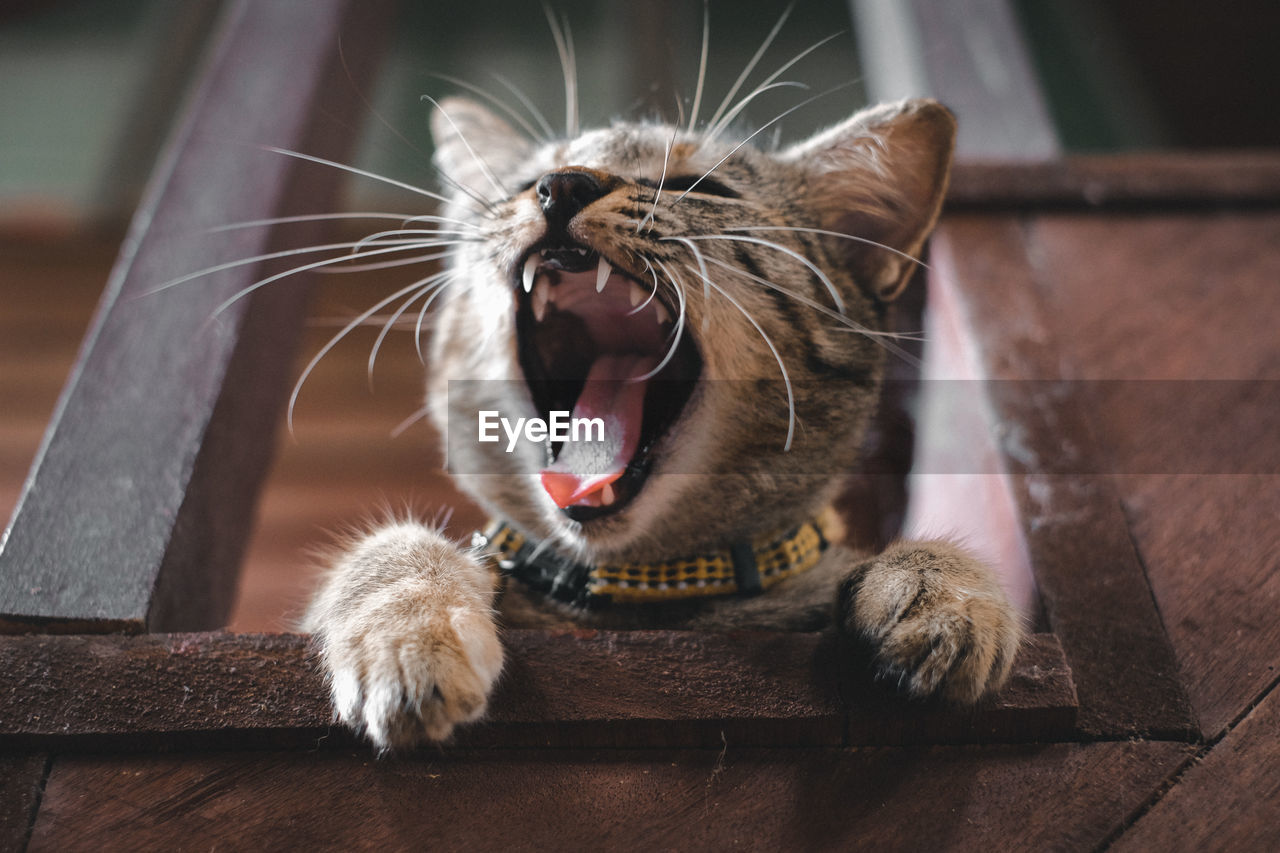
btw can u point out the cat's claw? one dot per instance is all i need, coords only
(936, 619)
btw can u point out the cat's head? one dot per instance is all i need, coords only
(728, 323)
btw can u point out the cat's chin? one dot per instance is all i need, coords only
(597, 342)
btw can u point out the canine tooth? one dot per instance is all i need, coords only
(541, 296)
(637, 294)
(602, 274)
(530, 272)
(663, 316)
(607, 496)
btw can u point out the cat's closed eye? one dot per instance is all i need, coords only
(697, 183)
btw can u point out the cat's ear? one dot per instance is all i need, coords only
(475, 147)
(880, 176)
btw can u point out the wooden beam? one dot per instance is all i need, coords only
(1148, 180)
(969, 54)
(135, 513)
(586, 688)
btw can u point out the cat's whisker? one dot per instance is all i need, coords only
(429, 286)
(702, 265)
(445, 220)
(882, 339)
(848, 324)
(866, 241)
(822, 277)
(702, 69)
(476, 158)
(918, 337)
(317, 217)
(528, 104)
(678, 329)
(746, 72)
(422, 154)
(678, 287)
(395, 131)
(574, 125)
(652, 294)
(662, 180)
(786, 378)
(448, 276)
(568, 66)
(490, 208)
(364, 173)
(338, 322)
(407, 233)
(506, 108)
(756, 133)
(405, 245)
(336, 339)
(418, 415)
(257, 285)
(382, 265)
(718, 128)
(798, 297)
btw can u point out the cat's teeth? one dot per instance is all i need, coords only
(637, 294)
(602, 274)
(607, 495)
(530, 272)
(541, 296)
(663, 315)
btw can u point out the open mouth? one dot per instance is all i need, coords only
(597, 342)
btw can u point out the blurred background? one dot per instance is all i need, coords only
(92, 88)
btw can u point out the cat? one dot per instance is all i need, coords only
(717, 307)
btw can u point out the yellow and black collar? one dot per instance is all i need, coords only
(743, 568)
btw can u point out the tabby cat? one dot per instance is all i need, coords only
(715, 306)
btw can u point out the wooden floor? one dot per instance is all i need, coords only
(1185, 299)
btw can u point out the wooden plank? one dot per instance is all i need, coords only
(664, 688)
(38, 340)
(970, 55)
(1024, 797)
(1149, 180)
(1095, 593)
(1228, 800)
(595, 688)
(1186, 362)
(22, 779)
(135, 513)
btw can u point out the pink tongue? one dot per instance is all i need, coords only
(611, 394)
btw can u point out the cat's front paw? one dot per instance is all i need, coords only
(936, 619)
(405, 632)
(405, 678)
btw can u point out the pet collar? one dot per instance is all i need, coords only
(743, 568)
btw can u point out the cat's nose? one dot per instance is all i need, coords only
(563, 194)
